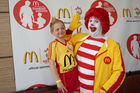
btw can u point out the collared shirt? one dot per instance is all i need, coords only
(63, 55)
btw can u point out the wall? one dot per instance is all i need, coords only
(7, 83)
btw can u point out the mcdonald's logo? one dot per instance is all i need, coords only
(63, 11)
(35, 3)
(107, 60)
(70, 58)
(127, 12)
(30, 55)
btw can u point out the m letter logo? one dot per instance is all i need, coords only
(63, 11)
(30, 56)
(35, 3)
(107, 60)
(70, 58)
(126, 11)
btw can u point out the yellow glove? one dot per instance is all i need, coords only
(74, 24)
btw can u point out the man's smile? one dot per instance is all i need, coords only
(92, 29)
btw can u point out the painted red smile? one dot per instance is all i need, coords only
(92, 29)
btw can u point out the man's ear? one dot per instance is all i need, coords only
(52, 32)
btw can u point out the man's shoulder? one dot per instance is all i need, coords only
(80, 35)
(112, 42)
(52, 43)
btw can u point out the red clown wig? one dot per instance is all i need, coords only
(101, 14)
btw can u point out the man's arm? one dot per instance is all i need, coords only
(118, 72)
(56, 76)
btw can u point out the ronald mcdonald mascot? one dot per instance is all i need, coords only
(100, 63)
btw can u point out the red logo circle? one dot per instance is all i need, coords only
(133, 45)
(36, 86)
(108, 7)
(107, 60)
(31, 14)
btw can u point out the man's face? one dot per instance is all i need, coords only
(59, 30)
(94, 26)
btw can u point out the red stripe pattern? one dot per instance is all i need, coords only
(85, 58)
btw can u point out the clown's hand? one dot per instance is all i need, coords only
(74, 24)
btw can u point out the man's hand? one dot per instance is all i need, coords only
(75, 22)
(61, 87)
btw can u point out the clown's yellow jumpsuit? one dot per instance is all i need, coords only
(109, 65)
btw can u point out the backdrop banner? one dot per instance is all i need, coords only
(30, 32)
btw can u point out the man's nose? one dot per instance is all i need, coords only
(92, 24)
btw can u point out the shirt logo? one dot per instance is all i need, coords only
(69, 58)
(107, 60)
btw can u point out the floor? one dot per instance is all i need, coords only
(52, 89)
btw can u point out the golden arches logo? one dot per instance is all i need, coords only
(63, 11)
(69, 58)
(30, 55)
(107, 60)
(35, 3)
(127, 12)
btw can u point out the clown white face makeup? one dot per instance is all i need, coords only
(95, 27)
